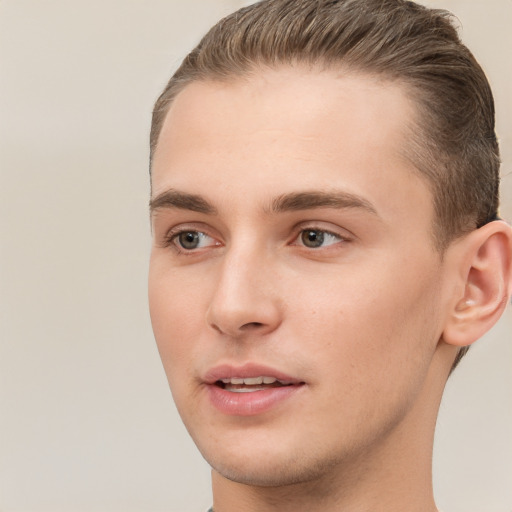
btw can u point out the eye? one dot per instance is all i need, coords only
(191, 240)
(315, 238)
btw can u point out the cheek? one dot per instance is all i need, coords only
(369, 322)
(176, 325)
(368, 346)
(177, 309)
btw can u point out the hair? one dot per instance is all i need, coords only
(453, 144)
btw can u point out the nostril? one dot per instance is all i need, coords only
(251, 325)
(217, 328)
(248, 327)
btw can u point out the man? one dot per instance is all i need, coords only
(326, 247)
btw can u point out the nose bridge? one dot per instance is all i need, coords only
(245, 298)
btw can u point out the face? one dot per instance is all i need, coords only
(294, 288)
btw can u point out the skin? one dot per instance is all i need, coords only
(361, 320)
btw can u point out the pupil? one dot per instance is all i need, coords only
(189, 240)
(312, 238)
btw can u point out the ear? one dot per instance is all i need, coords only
(484, 262)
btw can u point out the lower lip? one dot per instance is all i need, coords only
(250, 403)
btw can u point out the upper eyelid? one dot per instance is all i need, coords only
(325, 231)
(343, 233)
(198, 227)
(322, 230)
(174, 233)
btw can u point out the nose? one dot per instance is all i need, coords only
(245, 301)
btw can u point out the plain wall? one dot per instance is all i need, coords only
(87, 423)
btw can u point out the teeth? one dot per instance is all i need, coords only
(250, 381)
(246, 390)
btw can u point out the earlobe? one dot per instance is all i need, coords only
(485, 263)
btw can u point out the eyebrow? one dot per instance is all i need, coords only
(181, 200)
(307, 200)
(293, 201)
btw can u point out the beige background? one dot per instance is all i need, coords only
(86, 420)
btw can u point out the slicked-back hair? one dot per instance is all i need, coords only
(453, 143)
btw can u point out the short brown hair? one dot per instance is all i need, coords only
(454, 145)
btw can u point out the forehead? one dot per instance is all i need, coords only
(297, 100)
(277, 130)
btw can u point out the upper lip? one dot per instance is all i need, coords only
(228, 371)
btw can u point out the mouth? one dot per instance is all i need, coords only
(250, 389)
(251, 384)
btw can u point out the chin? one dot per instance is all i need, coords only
(269, 468)
(269, 475)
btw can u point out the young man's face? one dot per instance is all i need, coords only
(293, 243)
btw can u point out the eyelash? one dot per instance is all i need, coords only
(325, 233)
(171, 239)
